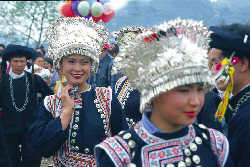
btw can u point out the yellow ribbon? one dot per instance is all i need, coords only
(224, 103)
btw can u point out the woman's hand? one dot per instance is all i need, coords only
(68, 106)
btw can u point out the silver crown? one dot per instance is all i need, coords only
(164, 57)
(76, 35)
(126, 34)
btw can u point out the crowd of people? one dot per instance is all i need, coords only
(175, 94)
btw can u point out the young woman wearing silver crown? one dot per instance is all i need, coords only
(79, 116)
(168, 66)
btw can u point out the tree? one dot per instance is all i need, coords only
(25, 22)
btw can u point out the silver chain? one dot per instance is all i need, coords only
(242, 100)
(26, 94)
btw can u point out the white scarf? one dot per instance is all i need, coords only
(15, 76)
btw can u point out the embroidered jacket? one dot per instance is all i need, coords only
(97, 115)
(192, 146)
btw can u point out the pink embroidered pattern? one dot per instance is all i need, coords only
(219, 145)
(75, 159)
(154, 154)
(116, 151)
(159, 152)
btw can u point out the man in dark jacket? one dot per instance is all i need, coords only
(232, 41)
(21, 93)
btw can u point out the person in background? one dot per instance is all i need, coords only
(213, 97)
(2, 47)
(231, 45)
(170, 61)
(20, 95)
(48, 64)
(38, 63)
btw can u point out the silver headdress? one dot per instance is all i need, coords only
(166, 56)
(76, 35)
(126, 34)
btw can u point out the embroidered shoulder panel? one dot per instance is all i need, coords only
(117, 150)
(220, 146)
(123, 89)
(103, 104)
(53, 104)
(119, 83)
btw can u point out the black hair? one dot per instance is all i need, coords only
(2, 45)
(42, 49)
(49, 60)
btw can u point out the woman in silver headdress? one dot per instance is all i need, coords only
(168, 66)
(78, 117)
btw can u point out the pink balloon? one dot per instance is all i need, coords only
(107, 8)
(107, 18)
(96, 19)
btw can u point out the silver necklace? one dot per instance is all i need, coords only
(26, 94)
(242, 100)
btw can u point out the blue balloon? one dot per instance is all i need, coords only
(88, 16)
(74, 5)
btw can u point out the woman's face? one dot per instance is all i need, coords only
(39, 61)
(76, 68)
(179, 106)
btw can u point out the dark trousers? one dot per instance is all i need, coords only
(21, 157)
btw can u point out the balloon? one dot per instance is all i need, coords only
(74, 5)
(83, 8)
(68, 1)
(88, 16)
(96, 19)
(67, 10)
(59, 8)
(96, 9)
(107, 8)
(107, 18)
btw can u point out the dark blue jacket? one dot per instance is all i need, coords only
(15, 122)
(207, 113)
(4, 156)
(239, 128)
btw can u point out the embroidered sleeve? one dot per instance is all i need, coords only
(219, 145)
(116, 149)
